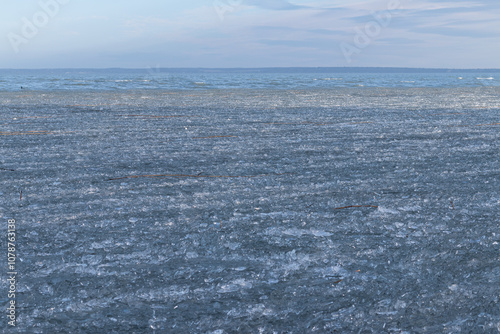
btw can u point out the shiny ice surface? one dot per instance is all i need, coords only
(234, 211)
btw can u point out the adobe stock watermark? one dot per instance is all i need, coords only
(30, 28)
(371, 30)
(224, 6)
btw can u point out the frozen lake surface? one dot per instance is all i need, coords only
(234, 211)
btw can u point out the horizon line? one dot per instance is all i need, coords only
(258, 68)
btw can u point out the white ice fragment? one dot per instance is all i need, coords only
(291, 267)
(235, 285)
(133, 220)
(318, 233)
(228, 288)
(243, 283)
(293, 231)
(191, 255)
(400, 305)
(46, 289)
(381, 209)
(299, 232)
(410, 208)
(233, 245)
(335, 271)
(92, 260)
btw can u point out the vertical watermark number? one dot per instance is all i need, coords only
(11, 273)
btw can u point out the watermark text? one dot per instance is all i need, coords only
(30, 28)
(12, 273)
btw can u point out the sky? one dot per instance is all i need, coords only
(249, 33)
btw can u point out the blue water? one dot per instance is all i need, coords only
(278, 78)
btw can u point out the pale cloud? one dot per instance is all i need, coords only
(273, 4)
(268, 33)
